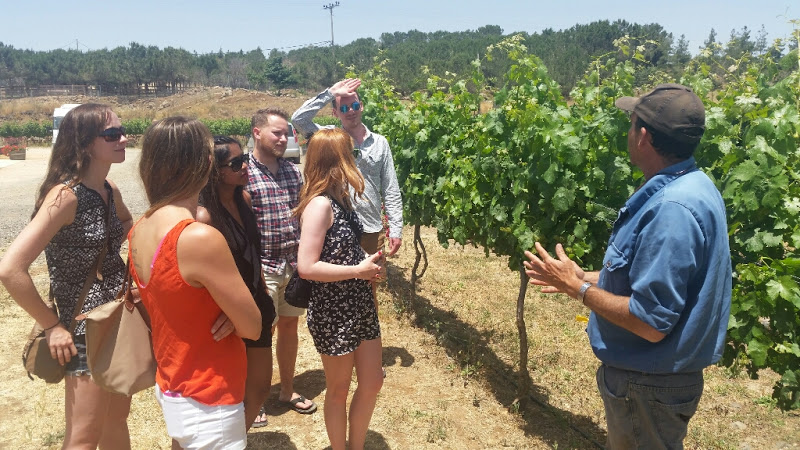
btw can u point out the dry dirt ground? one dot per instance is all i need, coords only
(425, 402)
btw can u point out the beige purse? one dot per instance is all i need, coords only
(119, 346)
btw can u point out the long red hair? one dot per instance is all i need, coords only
(330, 166)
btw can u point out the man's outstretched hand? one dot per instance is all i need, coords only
(555, 275)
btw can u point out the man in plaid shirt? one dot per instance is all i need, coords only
(274, 186)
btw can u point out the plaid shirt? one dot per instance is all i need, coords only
(274, 197)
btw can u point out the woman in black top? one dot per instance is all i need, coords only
(226, 206)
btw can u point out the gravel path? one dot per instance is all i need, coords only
(20, 180)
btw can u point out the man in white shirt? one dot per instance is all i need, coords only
(373, 158)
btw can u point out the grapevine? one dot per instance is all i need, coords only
(537, 167)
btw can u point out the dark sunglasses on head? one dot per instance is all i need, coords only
(355, 105)
(113, 134)
(236, 163)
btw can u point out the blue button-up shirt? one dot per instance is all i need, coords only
(669, 252)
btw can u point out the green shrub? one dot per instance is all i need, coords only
(136, 127)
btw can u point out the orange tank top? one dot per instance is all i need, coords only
(189, 361)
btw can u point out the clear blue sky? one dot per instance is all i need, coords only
(207, 26)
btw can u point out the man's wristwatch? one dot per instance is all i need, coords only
(582, 291)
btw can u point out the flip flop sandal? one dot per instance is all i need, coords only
(293, 405)
(261, 412)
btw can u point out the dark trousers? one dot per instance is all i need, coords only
(648, 411)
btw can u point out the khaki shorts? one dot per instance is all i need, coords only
(276, 285)
(371, 243)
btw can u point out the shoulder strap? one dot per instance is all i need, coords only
(96, 271)
(333, 200)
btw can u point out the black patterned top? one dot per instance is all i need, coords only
(73, 251)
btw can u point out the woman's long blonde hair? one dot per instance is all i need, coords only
(330, 166)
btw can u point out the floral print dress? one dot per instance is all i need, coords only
(342, 314)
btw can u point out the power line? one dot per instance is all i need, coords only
(74, 45)
(313, 44)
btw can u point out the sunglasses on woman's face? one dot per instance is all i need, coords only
(355, 105)
(236, 164)
(113, 134)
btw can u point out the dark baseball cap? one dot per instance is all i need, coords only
(670, 108)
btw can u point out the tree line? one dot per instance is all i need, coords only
(566, 53)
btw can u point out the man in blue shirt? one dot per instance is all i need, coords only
(660, 305)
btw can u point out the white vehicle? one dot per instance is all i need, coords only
(293, 150)
(58, 115)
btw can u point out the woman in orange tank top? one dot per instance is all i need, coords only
(188, 280)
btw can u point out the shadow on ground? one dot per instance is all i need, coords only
(375, 441)
(469, 346)
(392, 354)
(272, 439)
(312, 382)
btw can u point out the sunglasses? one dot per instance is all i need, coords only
(236, 163)
(113, 134)
(356, 106)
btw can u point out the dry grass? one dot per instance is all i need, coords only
(451, 375)
(203, 103)
(467, 304)
(31, 108)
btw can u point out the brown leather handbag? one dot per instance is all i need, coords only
(119, 345)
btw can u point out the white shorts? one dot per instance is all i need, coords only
(195, 425)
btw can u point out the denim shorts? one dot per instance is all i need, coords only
(78, 365)
(645, 411)
(199, 426)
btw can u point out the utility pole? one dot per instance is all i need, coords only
(330, 7)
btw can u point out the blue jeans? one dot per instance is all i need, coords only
(648, 411)
(79, 365)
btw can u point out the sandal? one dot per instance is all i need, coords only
(261, 412)
(292, 404)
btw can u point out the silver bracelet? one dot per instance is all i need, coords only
(582, 291)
